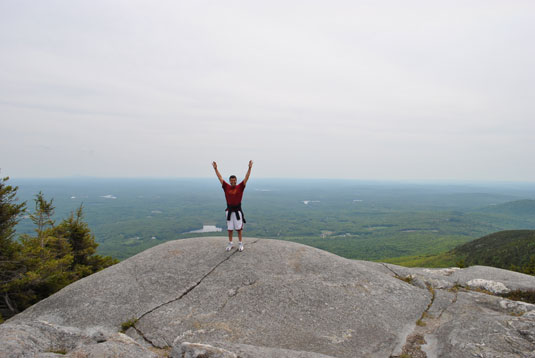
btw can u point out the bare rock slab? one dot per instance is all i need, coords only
(277, 294)
(275, 299)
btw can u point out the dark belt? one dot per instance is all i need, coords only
(235, 209)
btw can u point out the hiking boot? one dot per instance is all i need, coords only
(240, 247)
(230, 246)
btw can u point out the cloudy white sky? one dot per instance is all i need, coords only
(396, 90)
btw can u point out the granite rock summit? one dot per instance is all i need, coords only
(191, 298)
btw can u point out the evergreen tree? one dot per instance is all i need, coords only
(42, 217)
(10, 212)
(529, 268)
(83, 245)
(54, 257)
(44, 258)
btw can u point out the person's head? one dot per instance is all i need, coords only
(233, 180)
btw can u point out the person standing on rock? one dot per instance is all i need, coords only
(234, 213)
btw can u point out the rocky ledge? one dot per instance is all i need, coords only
(191, 299)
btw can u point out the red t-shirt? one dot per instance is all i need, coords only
(233, 194)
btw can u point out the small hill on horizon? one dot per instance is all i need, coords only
(509, 249)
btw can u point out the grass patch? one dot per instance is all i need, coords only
(527, 296)
(455, 288)
(59, 351)
(481, 290)
(421, 323)
(519, 295)
(130, 323)
(446, 259)
(409, 279)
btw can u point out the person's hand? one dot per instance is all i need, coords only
(214, 164)
(250, 164)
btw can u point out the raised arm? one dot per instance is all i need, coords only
(248, 172)
(214, 164)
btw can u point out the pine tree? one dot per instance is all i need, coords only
(10, 213)
(83, 245)
(529, 268)
(38, 265)
(45, 259)
(42, 217)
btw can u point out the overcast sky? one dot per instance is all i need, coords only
(391, 90)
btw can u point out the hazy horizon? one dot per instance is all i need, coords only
(263, 179)
(395, 91)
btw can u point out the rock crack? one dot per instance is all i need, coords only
(182, 295)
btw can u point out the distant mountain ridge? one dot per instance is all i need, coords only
(525, 207)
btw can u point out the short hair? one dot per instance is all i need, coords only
(232, 176)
